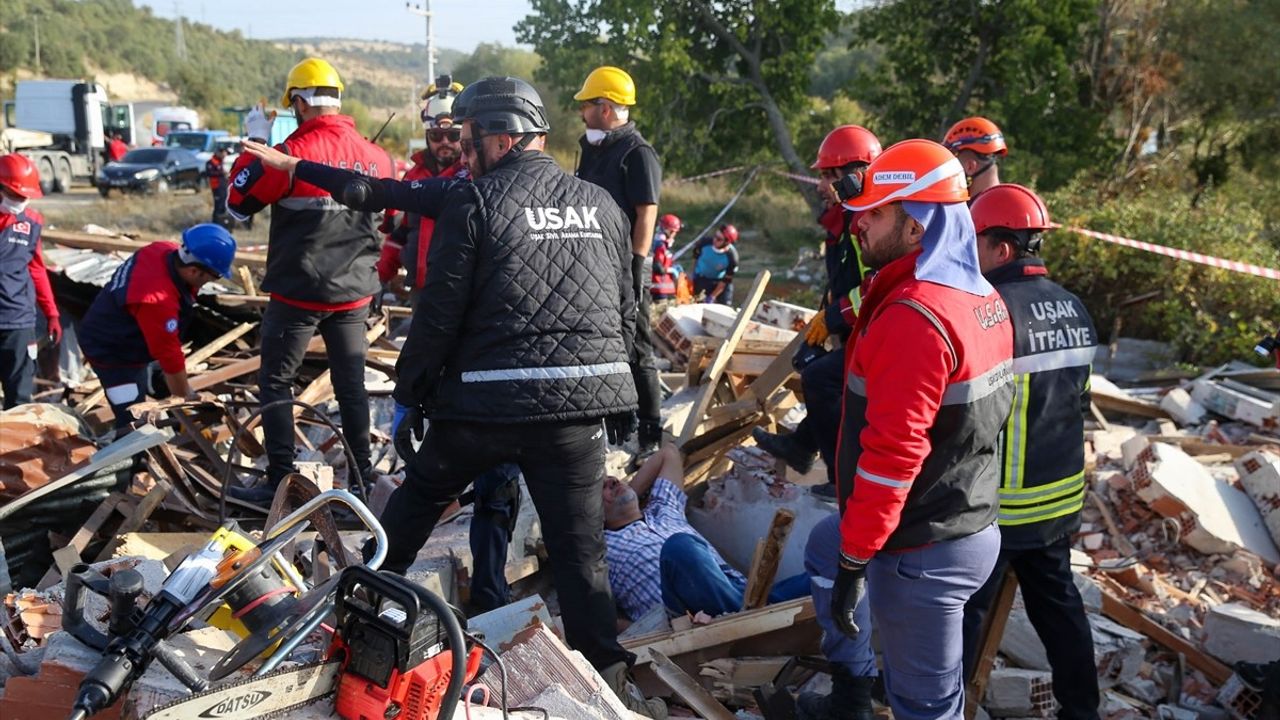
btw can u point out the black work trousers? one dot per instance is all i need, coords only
(644, 371)
(563, 467)
(286, 331)
(1056, 611)
(823, 383)
(17, 365)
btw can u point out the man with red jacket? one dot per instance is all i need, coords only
(24, 283)
(320, 264)
(410, 238)
(216, 174)
(927, 393)
(140, 316)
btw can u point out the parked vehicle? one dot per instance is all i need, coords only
(152, 170)
(165, 120)
(234, 145)
(63, 126)
(200, 142)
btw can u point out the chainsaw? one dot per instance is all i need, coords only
(229, 582)
(398, 651)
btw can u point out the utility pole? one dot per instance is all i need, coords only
(425, 11)
(179, 40)
(35, 15)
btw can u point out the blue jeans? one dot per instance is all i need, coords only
(820, 561)
(497, 503)
(694, 581)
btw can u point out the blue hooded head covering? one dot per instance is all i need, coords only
(949, 247)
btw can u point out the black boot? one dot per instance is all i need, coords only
(850, 699)
(785, 448)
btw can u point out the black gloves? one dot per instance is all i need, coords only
(850, 587)
(362, 193)
(619, 428)
(637, 276)
(406, 429)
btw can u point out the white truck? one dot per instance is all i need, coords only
(63, 126)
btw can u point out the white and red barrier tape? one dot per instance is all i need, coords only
(1211, 261)
(705, 176)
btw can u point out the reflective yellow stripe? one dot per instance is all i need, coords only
(1015, 434)
(1042, 512)
(1040, 493)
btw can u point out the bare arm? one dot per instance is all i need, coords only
(666, 463)
(178, 384)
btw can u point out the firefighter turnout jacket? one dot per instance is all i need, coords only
(1042, 483)
(320, 253)
(24, 282)
(928, 391)
(141, 314)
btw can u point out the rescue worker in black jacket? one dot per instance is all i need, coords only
(518, 348)
(1042, 483)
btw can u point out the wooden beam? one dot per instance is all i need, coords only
(1127, 405)
(764, 566)
(780, 371)
(221, 342)
(724, 629)
(120, 243)
(1134, 619)
(721, 359)
(990, 636)
(134, 521)
(204, 381)
(260, 301)
(688, 688)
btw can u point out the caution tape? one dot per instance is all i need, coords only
(1211, 261)
(723, 211)
(705, 176)
(798, 178)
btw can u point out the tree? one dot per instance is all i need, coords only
(720, 83)
(1014, 61)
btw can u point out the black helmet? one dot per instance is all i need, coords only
(502, 105)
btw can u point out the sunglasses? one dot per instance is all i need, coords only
(588, 103)
(452, 135)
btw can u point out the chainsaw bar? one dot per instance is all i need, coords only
(267, 696)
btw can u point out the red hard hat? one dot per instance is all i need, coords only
(1009, 206)
(847, 144)
(919, 170)
(19, 176)
(670, 222)
(729, 232)
(977, 134)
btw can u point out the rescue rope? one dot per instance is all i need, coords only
(723, 211)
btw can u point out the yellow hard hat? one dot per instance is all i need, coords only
(312, 72)
(610, 83)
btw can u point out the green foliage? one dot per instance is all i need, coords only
(706, 74)
(1010, 60)
(1210, 315)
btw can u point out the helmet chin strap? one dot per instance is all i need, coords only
(990, 163)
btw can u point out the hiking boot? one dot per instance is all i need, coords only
(616, 677)
(850, 699)
(786, 449)
(825, 491)
(260, 495)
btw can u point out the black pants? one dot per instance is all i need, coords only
(286, 330)
(1057, 613)
(563, 466)
(219, 205)
(645, 374)
(823, 383)
(17, 365)
(496, 505)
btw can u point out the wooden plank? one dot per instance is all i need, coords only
(1193, 445)
(134, 521)
(764, 566)
(991, 634)
(260, 301)
(1126, 405)
(221, 342)
(780, 371)
(204, 381)
(1134, 619)
(721, 358)
(749, 365)
(723, 629)
(688, 688)
(120, 243)
(246, 281)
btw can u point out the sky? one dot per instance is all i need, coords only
(459, 24)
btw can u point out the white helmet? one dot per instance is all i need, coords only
(439, 96)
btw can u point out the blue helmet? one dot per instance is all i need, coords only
(208, 245)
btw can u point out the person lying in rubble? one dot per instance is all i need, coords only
(656, 557)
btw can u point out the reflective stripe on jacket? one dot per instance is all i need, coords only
(1042, 485)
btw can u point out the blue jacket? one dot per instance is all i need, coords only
(24, 284)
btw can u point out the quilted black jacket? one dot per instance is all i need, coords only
(527, 311)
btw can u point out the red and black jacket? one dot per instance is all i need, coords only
(24, 283)
(419, 228)
(141, 314)
(214, 172)
(320, 253)
(927, 393)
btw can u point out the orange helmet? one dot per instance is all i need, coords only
(919, 170)
(977, 134)
(18, 175)
(847, 144)
(670, 223)
(1011, 207)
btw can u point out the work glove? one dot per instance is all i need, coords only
(257, 124)
(55, 331)
(620, 427)
(364, 194)
(850, 587)
(637, 276)
(817, 332)
(406, 427)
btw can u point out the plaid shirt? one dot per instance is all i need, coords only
(633, 551)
